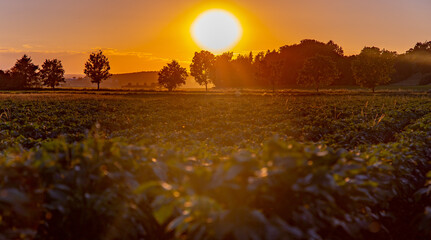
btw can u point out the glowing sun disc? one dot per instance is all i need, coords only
(216, 30)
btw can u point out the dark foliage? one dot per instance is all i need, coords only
(172, 76)
(281, 68)
(97, 68)
(318, 71)
(209, 167)
(23, 75)
(373, 67)
(201, 67)
(52, 73)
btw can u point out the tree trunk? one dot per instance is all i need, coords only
(98, 86)
(373, 89)
(206, 87)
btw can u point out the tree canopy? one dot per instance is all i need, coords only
(269, 67)
(97, 68)
(172, 75)
(201, 67)
(373, 67)
(318, 71)
(52, 73)
(277, 68)
(24, 74)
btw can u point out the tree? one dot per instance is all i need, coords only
(420, 57)
(270, 67)
(201, 67)
(242, 71)
(24, 74)
(221, 73)
(373, 67)
(172, 75)
(294, 57)
(97, 68)
(4, 79)
(52, 73)
(318, 71)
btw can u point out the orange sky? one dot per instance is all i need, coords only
(142, 35)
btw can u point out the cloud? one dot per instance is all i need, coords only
(73, 61)
(116, 52)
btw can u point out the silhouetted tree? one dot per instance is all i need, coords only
(420, 57)
(373, 67)
(242, 71)
(97, 68)
(335, 48)
(201, 67)
(52, 73)
(294, 57)
(268, 67)
(23, 74)
(416, 60)
(172, 75)
(276, 68)
(221, 73)
(318, 71)
(421, 47)
(4, 79)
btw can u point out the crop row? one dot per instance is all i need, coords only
(182, 179)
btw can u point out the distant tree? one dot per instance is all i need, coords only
(23, 74)
(268, 68)
(276, 67)
(4, 79)
(97, 68)
(318, 71)
(201, 67)
(373, 67)
(52, 73)
(221, 73)
(242, 71)
(420, 57)
(294, 57)
(421, 47)
(335, 48)
(172, 75)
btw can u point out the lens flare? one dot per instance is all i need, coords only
(216, 30)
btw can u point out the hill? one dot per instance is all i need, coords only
(145, 79)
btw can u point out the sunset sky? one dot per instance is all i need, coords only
(139, 35)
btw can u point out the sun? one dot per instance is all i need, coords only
(216, 30)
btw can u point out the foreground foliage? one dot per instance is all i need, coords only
(159, 167)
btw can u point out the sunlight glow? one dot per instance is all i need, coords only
(216, 30)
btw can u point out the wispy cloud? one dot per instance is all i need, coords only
(27, 46)
(73, 61)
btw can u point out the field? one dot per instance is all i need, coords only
(190, 165)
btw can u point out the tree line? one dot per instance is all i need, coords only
(309, 63)
(26, 75)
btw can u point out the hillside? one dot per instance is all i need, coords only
(145, 79)
(415, 80)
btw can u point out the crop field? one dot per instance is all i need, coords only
(340, 165)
